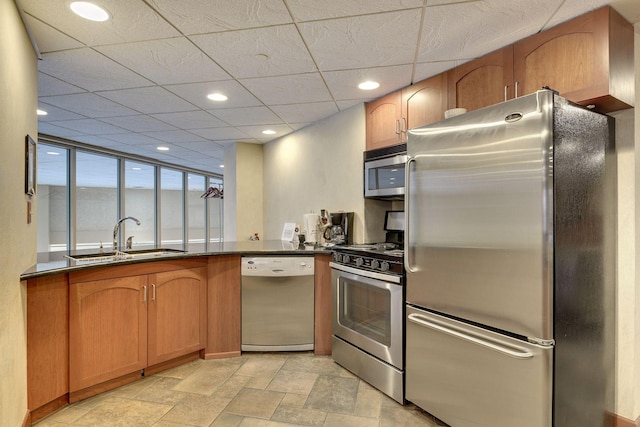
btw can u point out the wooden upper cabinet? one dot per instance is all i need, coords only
(424, 102)
(588, 60)
(177, 313)
(383, 120)
(107, 330)
(482, 82)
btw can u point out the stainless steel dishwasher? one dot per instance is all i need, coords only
(277, 303)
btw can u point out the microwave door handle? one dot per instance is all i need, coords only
(407, 216)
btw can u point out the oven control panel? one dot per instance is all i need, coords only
(364, 262)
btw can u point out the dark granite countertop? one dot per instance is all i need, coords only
(50, 263)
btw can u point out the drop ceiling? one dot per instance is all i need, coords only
(141, 79)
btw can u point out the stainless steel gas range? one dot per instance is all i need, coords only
(368, 314)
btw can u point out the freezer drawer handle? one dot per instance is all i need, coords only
(423, 321)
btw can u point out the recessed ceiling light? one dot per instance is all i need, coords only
(217, 97)
(262, 56)
(269, 132)
(136, 169)
(222, 166)
(41, 112)
(161, 148)
(53, 153)
(89, 11)
(369, 85)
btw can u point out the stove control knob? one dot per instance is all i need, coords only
(385, 266)
(359, 262)
(336, 257)
(375, 264)
(346, 259)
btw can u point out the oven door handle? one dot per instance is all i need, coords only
(365, 273)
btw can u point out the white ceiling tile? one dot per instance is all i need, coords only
(102, 142)
(312, 112)
(51, 129)
(166, 61)
(148, 100)
(220, 134)
(133, 139)
(207, 148)
(256, 131)
(344, 84)
(89, 105)
(131, 20)
(258, 52)
(198, 17)
(294, 89)
(196, 93)
(190, 120)
(174, 136)
(348, 103)
(95, 127)
(139, 123)
(48, 86)
(48, 38)
(247, 116)
(428, 69)
(89, 70)
(363, 41)
(56, 114)
(310, 10)
(469, 30)
(298, 126)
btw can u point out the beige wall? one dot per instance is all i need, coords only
(18, 103)
(243, 188)
(318, 167)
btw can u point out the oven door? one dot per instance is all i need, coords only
(368, 312)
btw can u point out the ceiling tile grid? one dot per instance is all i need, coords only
(141, 79)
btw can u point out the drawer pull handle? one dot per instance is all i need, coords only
(424, 321)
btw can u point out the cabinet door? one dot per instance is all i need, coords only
(485, 81)
(588, 60)
(384, 121)
(177, 314)
(224, 301)
(107, 330)
(424, 102)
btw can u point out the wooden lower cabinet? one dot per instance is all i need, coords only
(119, 326)
(223, 296)
(107, 329)
(47, 345)
(177, 315)
(322, 301)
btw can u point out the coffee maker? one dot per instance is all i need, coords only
(340, 232)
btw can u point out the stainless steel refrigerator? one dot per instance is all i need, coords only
(510, 259)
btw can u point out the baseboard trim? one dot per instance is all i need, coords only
(26, 421)
(227, 355)
(615, 420)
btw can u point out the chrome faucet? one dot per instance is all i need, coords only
(116, 230)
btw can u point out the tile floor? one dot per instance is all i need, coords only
(254, 390)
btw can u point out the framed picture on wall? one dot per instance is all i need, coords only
(30, 166)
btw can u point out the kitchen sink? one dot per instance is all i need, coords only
(129, 254)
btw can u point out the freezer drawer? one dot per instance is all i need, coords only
(472, 377)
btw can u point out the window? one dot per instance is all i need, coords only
(53, 198)
(96, 200)
(140, 202)
(171, 206)
(82, 194)
(196, 208)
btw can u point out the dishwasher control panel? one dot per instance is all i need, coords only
(277, 266)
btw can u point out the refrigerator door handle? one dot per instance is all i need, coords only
(407, 258)
(424, 321)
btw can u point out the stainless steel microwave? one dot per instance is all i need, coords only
(384, 172)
